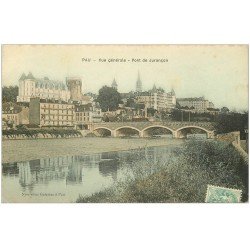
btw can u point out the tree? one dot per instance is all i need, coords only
(105, 119)
(224, 110)
(109, 98)
(9, 94)
(151, 111)
(232, 122)
(130, 102)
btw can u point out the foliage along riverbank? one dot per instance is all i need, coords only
(181, 178)
(39, 133)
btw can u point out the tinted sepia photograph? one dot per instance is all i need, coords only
(124, 124)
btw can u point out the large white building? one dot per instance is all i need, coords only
(197, 104)
(157, 99)
(30, 87)
(51, 112)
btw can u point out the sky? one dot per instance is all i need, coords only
(217, 72)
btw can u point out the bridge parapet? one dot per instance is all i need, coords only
(143, 125)
(176, 128)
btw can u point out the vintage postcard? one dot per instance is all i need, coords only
(124, 123)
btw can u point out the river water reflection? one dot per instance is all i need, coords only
(63, 179)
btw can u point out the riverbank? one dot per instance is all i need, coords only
(25, 150)
(183, 177)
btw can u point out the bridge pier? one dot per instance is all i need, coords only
(210, 135)
(91, 127)
(175, 135)
(114, 133)
(141, 134)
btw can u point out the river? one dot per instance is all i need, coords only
(64, 178)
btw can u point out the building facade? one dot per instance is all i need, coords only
(144, 98)
(51, 113)
(30, 87)
(13, 115)
(198, 104)
(158, 100)
(86, 114)
(171, 100)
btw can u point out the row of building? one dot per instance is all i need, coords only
(30, 87)
(159, 100)
(155, 98)
(47, 112)
(46, 102)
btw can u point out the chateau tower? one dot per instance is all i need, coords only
(74, 85)
(26, 87)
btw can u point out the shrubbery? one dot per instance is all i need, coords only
(181, 177)
(34, 133)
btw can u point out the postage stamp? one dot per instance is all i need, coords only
(222, 195)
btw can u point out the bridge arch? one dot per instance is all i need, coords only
(143, 132)
(208, 132)
(158, 126)
(105, 129)
(131, 127)
(118, 130)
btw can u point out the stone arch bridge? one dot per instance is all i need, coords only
(142, 128)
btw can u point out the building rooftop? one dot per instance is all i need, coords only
(44, 82)
(23, 77)
(83, 107)
(30, 76)
(191, 99)
(172, 91)
(51, 101)
(50, 84)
